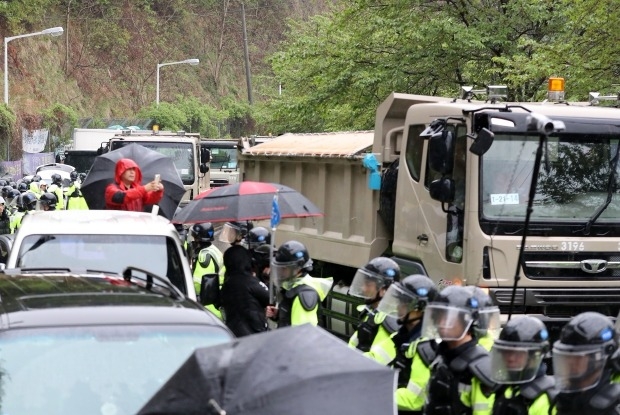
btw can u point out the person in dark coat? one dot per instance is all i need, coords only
(244, 297)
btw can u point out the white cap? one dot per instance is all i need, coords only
(2, 202)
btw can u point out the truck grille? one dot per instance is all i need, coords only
(572, 266)
(218, 182)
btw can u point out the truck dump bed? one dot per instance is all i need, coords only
(327, 169)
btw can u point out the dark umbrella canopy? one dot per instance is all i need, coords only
(246, 201)
(295, 370)
(150, 162)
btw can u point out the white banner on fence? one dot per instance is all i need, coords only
(34, 141)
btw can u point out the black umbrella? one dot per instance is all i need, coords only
(295, 370)
(246, 201)
(150, 162)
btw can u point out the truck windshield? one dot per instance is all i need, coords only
(182, 154)
(575, 185)
(111, 253)
(223, 158)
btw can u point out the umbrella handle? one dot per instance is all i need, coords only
(155, 210)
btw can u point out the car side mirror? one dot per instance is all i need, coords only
(210, 289)
(204, 168)
(205, 155)
(482, 143)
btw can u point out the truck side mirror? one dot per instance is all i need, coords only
(441, 151)
(204, 168)
(442, 190)
(482, 143)
(205, 156)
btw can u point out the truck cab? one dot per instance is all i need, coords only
(224, 168)
(452, 196)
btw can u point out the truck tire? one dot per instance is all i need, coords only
(387, 194)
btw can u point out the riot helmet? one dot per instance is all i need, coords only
(28, 201)
(3, 183)
(258, 236)
(377, 274)
(203, 232)
(36, 178)
(518, 352)
(489, 317)
(451, 314)
(412, 293)
(73, 175)
(56, 179)
(27, 180)
(233, 232)
(14, 194)
(583, 351)
(48, 201)
(7, 191)
(261, 261)
(22, 187)
(290, 261)
(13, 184)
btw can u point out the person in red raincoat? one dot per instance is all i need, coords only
(128, 193)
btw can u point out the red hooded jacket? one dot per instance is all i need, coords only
(119, 197)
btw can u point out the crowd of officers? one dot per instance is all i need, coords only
(450, 351)
(18, 198)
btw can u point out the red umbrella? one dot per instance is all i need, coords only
(246, 201)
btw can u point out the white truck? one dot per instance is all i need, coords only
(190, 159)
(224, 168)
(82, 150)
(424, 189)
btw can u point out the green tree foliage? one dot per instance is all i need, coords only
(168, 116)
(7, 124)
(60, 120)
(336, 68)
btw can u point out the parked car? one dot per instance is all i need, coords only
(101, 240)
(94, 343)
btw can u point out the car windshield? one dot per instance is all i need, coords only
(223, 158)
(114, 253)
(575, 185)
(93, 370)
(181, 153)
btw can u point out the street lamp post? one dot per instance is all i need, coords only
(54, 31)
(159, 65)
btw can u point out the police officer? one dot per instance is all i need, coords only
(34, 185)
(5, 219)
(259, 244)
(300, 294)
(460, 381)
(25, 202)
(48, 201)
(406, 300)
(370, 283)
(234, 233)
(582, 365)
(489, 318)
(517, 365)
(208, 259)
(73, 194)
(56, 188)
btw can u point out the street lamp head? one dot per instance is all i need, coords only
(53, 31)
(192, 62)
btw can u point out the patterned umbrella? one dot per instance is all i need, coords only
(246, 201)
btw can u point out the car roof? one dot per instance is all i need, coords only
(65, 299)
(55, 166)
(100, 222)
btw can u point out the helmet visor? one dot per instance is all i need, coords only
(229, 233)
(445, 322)
(284, 271)
(398, 302)
(489, 321)
(366, 284)
(515, 364)
(577, 370)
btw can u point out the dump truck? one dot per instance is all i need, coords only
(442, 186)
(190, 159)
